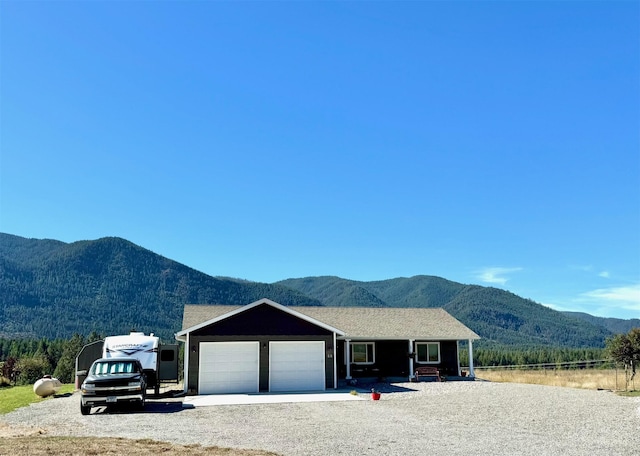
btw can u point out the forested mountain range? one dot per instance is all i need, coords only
(497, 315)
(615, 325)
(54, 289)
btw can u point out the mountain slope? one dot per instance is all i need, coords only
(615, 325)
(505, 318)
(496, 315)
(53, 289)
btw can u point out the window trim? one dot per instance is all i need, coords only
(437, 344)
(373, 353)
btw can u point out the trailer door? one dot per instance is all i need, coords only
(168, 363)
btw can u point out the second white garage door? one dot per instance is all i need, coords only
(296, 366)
(229, 367)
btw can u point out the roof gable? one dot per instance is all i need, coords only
(193, 317)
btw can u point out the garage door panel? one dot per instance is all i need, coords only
(229, 367)
(297, 366)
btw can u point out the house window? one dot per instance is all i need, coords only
(428, 352)
(363, 352)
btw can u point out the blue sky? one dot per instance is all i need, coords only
(493, 143)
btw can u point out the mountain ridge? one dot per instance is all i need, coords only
(109, 285)
(615, 325)
(497, 315)
(50, 288)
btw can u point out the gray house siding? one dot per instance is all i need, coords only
(449, 361)
(392, 358)
(262, 320)
(391, 361)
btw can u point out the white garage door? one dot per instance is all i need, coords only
(229, 367)
(296, 366)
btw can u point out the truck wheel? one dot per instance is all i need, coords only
(85, 409)
(140, 404)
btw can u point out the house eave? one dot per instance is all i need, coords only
(406, 337)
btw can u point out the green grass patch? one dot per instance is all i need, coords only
(13, 397)
(629, 393)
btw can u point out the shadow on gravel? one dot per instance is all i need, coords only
(383, 388)
(151, 407)
(63, 395)
(163, 407)
(168, 394)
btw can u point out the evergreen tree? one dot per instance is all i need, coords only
(65, 369)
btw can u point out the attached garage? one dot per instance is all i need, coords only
(229, 367)
(297, 366)
(260, 347)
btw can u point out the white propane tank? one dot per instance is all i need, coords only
(46, 386)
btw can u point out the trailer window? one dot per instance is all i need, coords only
(166, 355)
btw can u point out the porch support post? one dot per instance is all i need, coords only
(335, 362)
(347, 357)
(411, 359)
(471, 372)
(187, 349)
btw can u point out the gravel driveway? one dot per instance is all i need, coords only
(455, 418)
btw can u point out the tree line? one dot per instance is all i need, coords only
(23, 361)
(509, 356)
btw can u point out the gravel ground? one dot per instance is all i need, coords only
(456, 418)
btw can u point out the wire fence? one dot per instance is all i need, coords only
(588, 364)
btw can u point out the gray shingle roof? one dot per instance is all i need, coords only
(361, 322)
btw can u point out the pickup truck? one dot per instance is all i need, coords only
(113, 381)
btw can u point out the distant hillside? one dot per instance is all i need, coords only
(498, 316)
(53, 289)
(614, 325)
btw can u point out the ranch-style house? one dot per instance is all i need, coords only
(267, 347)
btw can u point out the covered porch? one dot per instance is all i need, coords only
(397, 359)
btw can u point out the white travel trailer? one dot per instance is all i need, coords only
(134, 345)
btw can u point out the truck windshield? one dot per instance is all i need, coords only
(114, 367)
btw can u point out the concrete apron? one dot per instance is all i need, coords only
(267, 398)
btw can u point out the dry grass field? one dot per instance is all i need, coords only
(607, 379)
(34, 442)
(79, 446)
